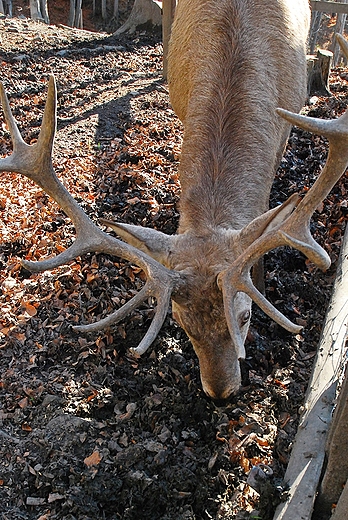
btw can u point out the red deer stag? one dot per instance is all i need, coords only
(226, 94)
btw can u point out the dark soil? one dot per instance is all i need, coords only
(86, 430)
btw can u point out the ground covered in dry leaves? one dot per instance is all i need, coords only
(86, 430)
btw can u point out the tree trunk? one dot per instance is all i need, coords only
(7, 7)
(340, 512)
(44, 11)
(103, 9)
(313, 34)
(115, 15)
(78, 15)
(39, 10)
(143, 12)
(72, 13)
(168, 10)
(308, 452)
(75, 14)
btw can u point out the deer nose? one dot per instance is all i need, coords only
(220, 395)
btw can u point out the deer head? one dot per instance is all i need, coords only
(200, 305)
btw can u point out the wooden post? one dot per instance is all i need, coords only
(319, 68)
(336, 472)
(168, 10)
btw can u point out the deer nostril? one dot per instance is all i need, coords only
(220, 397)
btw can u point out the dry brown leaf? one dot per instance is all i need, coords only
(19, 335)
(23, 403)
(26, 427)
(29, 309)
(93, 460)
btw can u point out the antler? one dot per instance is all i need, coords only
(35, 162)
(294, 230)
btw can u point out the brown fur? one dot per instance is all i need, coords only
(231, 64)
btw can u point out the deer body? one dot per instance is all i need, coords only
(231, 64)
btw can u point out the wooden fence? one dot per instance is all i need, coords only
(318, 8)
(322, 442)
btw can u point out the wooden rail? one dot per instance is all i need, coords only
(329, 7)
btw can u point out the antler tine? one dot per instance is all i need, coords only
(35, 162)
(162, 295)
(294, 230)
(26, 159)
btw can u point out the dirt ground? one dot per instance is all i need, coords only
(87, 431)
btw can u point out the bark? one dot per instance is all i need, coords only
(339, 29)
(75, 14)
(115, 14)
(103, 9)
(7, 7)
(340, 512)
(313, 34)
(39, 10)
(319, 68)
(72, 13)
(168, 9)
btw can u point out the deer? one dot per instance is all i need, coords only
(237, 109)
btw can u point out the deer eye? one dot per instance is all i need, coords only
(244, 318)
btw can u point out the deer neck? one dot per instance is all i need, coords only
(227, 168)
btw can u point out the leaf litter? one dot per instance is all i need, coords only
(86, 430)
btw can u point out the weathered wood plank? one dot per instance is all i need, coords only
(341, 510)
(329, 7)
(336, 470)
(308, 453)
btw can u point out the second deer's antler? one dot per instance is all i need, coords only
(294, 230)
(35, 162)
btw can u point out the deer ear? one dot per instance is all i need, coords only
(267, 221)
(154, 243)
